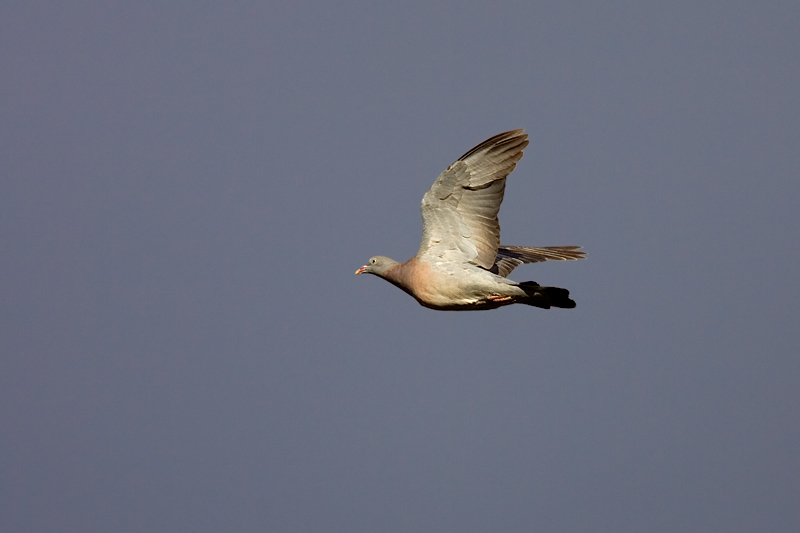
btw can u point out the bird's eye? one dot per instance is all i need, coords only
(373, 260)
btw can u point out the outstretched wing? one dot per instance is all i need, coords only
(459, 211)
(510, 257)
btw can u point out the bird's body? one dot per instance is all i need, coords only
(460, 264)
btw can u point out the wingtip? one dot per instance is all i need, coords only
(511, 139)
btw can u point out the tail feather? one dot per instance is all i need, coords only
(545, 297)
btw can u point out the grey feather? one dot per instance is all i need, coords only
(510, 257)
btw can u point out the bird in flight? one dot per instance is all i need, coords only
(461, 265)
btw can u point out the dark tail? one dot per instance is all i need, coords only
(545, 297)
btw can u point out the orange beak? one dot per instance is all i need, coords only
(361, 270)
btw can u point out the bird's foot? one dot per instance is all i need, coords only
(498, 298)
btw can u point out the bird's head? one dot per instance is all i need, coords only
(377, 265)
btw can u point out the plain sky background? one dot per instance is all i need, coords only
(186, 189)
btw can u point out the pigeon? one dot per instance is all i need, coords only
(460, 265)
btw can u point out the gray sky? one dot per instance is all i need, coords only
(188, 187)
